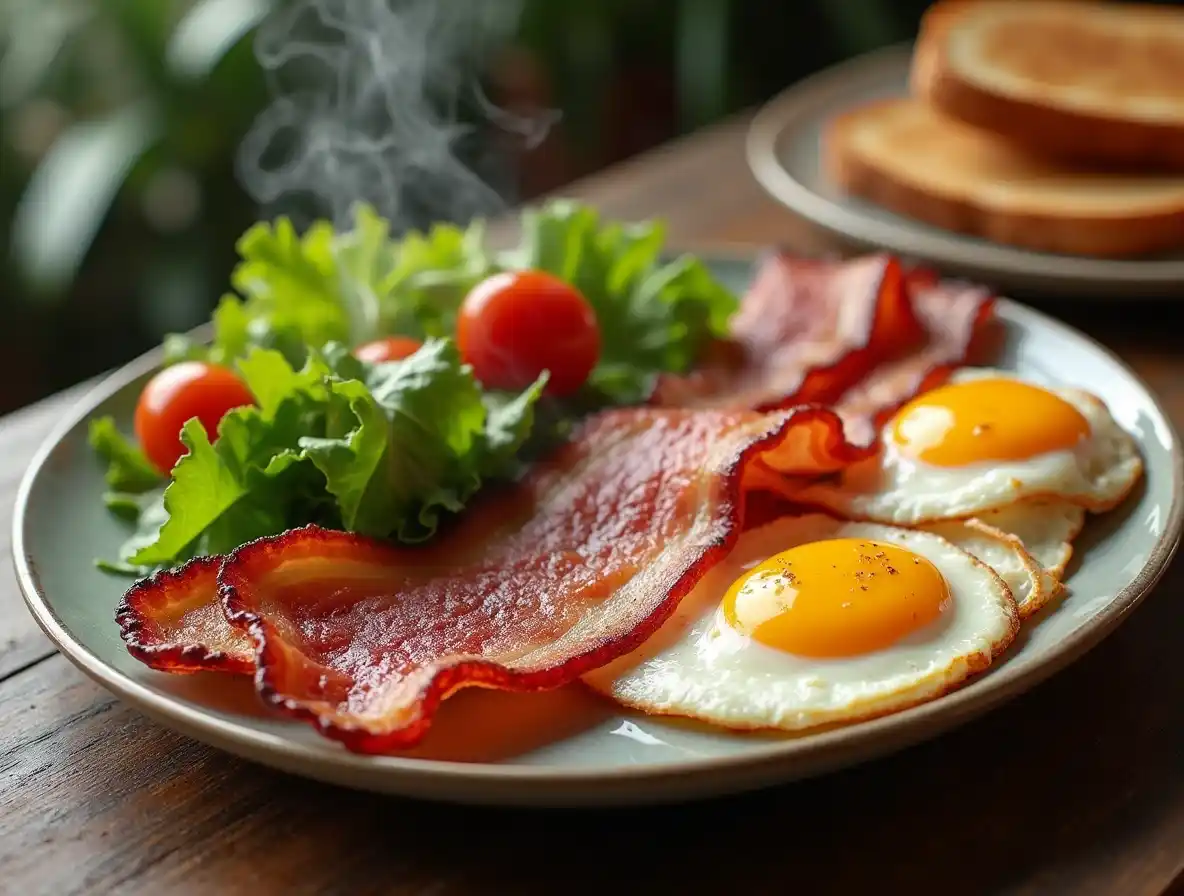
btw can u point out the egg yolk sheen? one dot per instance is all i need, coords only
(985, 420)
(836, 598)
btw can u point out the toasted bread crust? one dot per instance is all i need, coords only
(1140, 233)
(1046, 128)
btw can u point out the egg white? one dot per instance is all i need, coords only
(1046, 528)
(1032, 584)
(697, 666)
(1028, 543)
(891, 488)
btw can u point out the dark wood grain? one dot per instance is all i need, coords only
(1077, 787)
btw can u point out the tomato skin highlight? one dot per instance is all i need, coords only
(179, 393)
(391, 348)
(516, 324)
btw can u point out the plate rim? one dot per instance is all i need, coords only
(987, 259)
(765, 764)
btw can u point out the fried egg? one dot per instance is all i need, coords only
(812, 621)
(982, 441)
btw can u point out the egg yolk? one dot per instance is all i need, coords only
(986, 419)
(836, 598)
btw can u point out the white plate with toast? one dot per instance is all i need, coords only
(958, 168)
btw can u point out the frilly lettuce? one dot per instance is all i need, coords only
(296, 292)
(385, 450)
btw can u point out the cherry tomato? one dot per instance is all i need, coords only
(392, 348)
(176, 395)
(514, 325)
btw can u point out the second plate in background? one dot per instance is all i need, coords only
(784, 153)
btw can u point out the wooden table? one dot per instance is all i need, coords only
(94, 798)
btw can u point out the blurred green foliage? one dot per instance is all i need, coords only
(119, 121)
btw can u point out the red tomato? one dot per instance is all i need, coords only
(392, 348)
(515, 325)
(176, 395)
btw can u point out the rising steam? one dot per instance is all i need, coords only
(376, 101)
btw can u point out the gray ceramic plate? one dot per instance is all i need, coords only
(565, 747)
(783, 151)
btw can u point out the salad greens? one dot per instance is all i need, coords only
(390, 449)
(382, 449)
(294, 292)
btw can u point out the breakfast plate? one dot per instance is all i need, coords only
(783, 148)
(568, 747)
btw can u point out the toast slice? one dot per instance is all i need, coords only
(1074, 79)
(905, 156)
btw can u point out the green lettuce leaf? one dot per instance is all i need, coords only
(385, 450)
(130, 506)
(203, 488)
(272, 380)
(152, 515)
(511, 424)
(128, 469)
(254, 479)
(422, 443)
(296, 293)
(432, 275)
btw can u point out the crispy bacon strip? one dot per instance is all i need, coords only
(955, 317)
(807, 331)
(172, 622)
